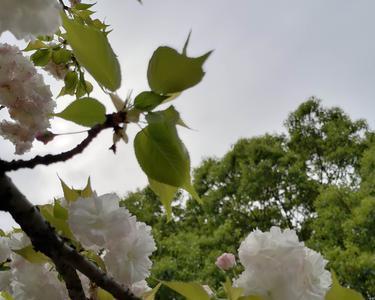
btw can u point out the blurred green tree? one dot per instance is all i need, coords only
(318, 179)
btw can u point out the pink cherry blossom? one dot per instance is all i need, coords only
(226, 261)
(26, 96)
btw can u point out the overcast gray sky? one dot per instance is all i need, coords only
(269, 57)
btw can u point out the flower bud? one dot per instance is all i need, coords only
(45, 137)
(226, 261)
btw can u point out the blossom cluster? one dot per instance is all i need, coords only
(27, 97)
(29, 18)
(279, 266)
(99, 223)
(23, 279)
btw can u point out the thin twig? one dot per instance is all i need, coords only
(112, 120)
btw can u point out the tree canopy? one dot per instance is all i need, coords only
(319, 179)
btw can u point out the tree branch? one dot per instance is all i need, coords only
(63, 5)
(112, 120)
(46, 240)
(71, 279)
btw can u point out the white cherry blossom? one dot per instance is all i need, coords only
(100, 223)
(4, 249)
(139, 288)
(18, 240)
(35, 281)
(99, 220)
(5, 280)
(29, 18)
(127, 260)
(278, 266)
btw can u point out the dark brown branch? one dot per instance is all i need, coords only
(46, 240)
(63, 5)
(112, 121)
(72, 282)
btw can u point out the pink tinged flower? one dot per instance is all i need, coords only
(27, 98)
(58, 71)
(226, 261)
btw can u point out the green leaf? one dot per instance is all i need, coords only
(70, 195)
(4, 267)
(6, 295)
(71, 81)
(82, 6)
(166, 194)
(84, 87)
(172, 96)
(87, 191)
(191, 190)
(59, 211)
(160, 152)
(84, 14)
(91, 255)
(45, 38)
(85, 111)
(182, 123)
(147, 101)
(337, 292)
(62, 92)
(184, 50)
(34, 45)
(251, 298)
(169, 115)
(103, 295)
(150, 295)
(190, 290)
(93, 51)
(41, 57)
(31, 255)
(61, 56)
(233, 293)
(61, 225)
(98, 24)
(171, 72)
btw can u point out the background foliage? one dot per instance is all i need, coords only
(319, 179)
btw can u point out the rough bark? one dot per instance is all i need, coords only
(46, 240)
